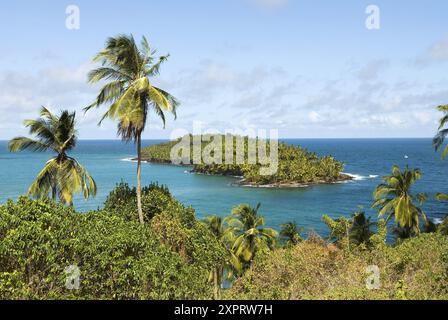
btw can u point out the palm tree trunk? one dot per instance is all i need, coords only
(139, 178)
(216, 284)
(53, 193)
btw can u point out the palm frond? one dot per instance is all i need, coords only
(23, 143)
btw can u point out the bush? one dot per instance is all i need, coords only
(416, 269)
(123, 200)
(118, 258)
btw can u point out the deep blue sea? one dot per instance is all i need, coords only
(368, 159)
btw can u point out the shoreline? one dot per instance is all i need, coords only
(344, 177)
(291, 185)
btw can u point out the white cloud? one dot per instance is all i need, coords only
(57, 88)
(425, 117)
(372, 70)
(314, 117)
(439, 50)
(224, 97)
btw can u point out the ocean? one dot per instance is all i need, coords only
(367, 159)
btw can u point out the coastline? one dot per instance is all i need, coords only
(290, 185)
(344, 177)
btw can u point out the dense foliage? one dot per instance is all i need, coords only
(175, 256)
(415, 269)
(118, 257)
(295, 164)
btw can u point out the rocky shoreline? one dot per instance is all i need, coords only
(243, 183)
(292, 184)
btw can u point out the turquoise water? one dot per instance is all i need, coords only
(369, 159)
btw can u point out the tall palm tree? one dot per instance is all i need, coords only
(250, 236)
(290, 233)
(129, 93)
(62, 175)
(394, 198)
(439, 139)
(225, 236)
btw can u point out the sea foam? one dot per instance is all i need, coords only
(358, 177)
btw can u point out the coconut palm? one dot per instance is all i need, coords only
(439, 139)
(290, 233)
(250, 236)
(129, 93)
(394, 198)
(360, 231)
(225, 236)
(62, 175)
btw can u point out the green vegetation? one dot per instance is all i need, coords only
(129, 93)
(290, 234)
(296, 166)
(439, 139)
(62, 175)
(144, 244)
(394, 199)
(313, 269)
(118, 258)
(231, 264)
(251, 236)
(175, 256)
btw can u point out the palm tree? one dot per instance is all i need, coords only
(290, 233)
(394, 198)
(225, 236)
(439, 139)
(62, 175)
(360, 231)
(129, 93)
(250, 236)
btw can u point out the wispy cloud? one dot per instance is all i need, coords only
(224, 96)
(371, 70)
(437, 52)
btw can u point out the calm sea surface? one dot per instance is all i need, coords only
(368, 159)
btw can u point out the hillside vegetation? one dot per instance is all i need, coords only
(296, 166)
(176, 256)
(118, 258)
(415, 269)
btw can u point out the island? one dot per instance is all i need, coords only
(296, 166)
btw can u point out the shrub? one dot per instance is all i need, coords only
(118, 258)
(415, 269)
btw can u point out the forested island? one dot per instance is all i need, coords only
(297, 167)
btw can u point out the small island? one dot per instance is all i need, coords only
(297, 167)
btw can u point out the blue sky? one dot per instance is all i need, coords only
(310, 69)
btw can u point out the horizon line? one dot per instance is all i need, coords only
(281, 138)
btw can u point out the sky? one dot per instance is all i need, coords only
(308, 68)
